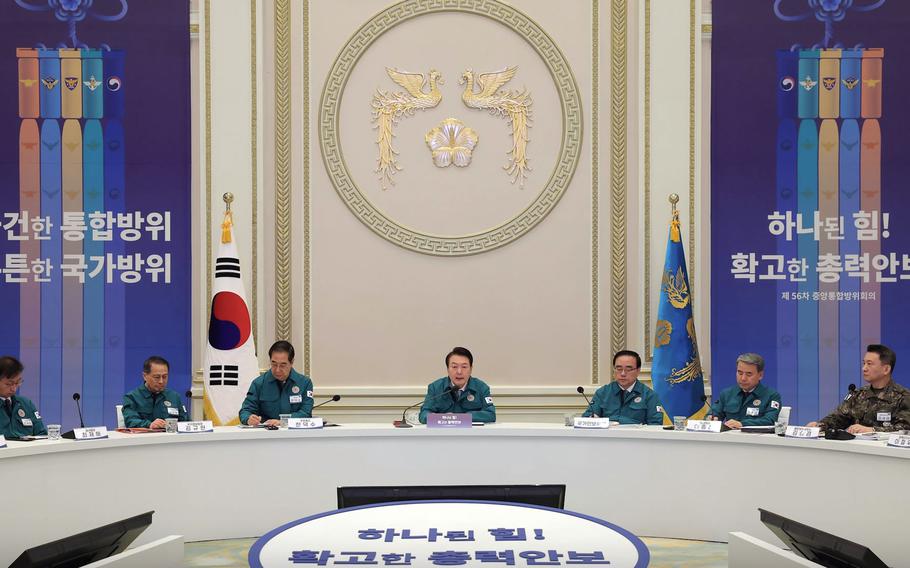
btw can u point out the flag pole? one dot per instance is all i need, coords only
(673, 199)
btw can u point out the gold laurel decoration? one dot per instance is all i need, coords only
(692, 77)
(690, 330)
(664, 331)
(595, 190)
(457, 245)
(207, 22)
(618, 131)
(451, 143)
(676, 288)
(646, 127)
(283, 258)
(306, 188)
(254, 162)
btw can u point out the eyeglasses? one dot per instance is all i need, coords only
(11, 383)
(621, 370)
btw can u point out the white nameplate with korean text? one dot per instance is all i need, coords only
(195, 426)
(94, 433)
(703, 425)
(2, 441)
(899, 441)
(802, 432)
(582, 422)
(304, 423)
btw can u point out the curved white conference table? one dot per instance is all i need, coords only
(243, 482)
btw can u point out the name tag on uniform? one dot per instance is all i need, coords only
(173, 411)
(584, 422)
(703, 425)
(304, 423)
(751, 411)
(883, 417)
(96, 433)
(899, 441)
(2, 441)
(195, 426)
(802, 432)
(296, 399)
(26, 421)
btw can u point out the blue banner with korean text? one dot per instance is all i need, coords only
(95, 187)
(810, 257)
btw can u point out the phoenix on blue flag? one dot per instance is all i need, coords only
(676, 372)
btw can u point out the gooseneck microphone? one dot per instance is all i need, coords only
(189, 404)
(581, 391)
(76, 397)
(851, 391)
(706, 400)
(335, 398)
(403, 423)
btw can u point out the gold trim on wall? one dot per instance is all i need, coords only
(595, 190)
(420, 241)
(254, 181)
(283, 201)
(692, 31)
(618, 131)
(208, 156)
(306, 187)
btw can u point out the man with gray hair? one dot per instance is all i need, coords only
(749, 403)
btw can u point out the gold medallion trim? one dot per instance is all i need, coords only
(441, 245)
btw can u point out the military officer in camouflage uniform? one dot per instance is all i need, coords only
(881, 405)
(749, 402)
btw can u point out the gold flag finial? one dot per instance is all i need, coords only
(228, 218)
(674, 223)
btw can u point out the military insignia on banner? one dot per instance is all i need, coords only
(92, 83)
(49, 82)
(850, 82)
(829, 83)
(71, 82)
(114, 83)
(808, 83)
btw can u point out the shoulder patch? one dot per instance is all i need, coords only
(775, 404)
(488, 400)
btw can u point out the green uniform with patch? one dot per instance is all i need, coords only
(20, 419)
(641, 405)
(757, 408)
(268, 397)
(141, 407)
(474, 398)
(886, 409)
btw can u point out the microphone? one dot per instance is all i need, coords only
(335, 398)
(851, 391)
(189, 400)
(581, 391)
(706, 400)
(403, 423)
(71, 435)
(76, 397)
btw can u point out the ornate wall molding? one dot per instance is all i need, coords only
(595, 192)
(618, 185)
(283, 201)
(423, 242)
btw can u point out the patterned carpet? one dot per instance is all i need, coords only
(665, 553)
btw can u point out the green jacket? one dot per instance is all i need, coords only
(25, 419)
(141, 407)
(758, 408)
(267, 398)
(475, 399)
(641, 406)
(887, 410)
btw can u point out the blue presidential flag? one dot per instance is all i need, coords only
(676, 372)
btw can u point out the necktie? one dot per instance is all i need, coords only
(622, 398)
(8, 406)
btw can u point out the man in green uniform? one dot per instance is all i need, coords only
(880, 406)
(280, 390)
(459, 392)
(18, 415)
(624, 399)
(749, 403)
(152, 403)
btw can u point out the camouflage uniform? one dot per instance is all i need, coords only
(886, 410)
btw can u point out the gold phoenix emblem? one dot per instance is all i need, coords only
(451, 143)
(676, 288)
(389, 108)
(512, 105)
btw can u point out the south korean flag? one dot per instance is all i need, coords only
(230, 356)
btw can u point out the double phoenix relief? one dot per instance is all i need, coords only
(372, 133)
(451, 142)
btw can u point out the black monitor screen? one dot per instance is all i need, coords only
(546, 495)
(818, 546)
(86, 547)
